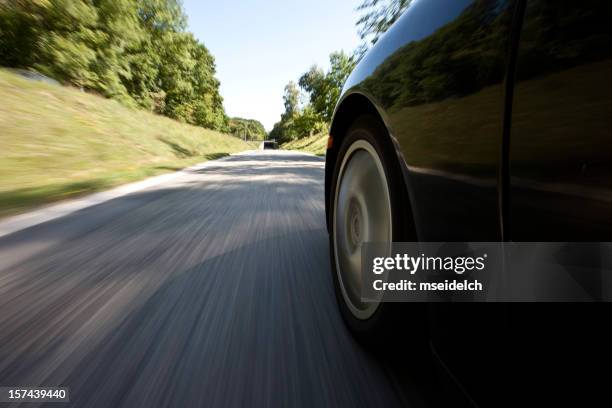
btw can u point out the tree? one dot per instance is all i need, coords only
(315, 84)
(377, 16)
(81, 43)
(308, 122)
(252, 128)
(285, 130)
(135, 51)
(291, 99)
(160, 20)
(324, 88)
(276, 133)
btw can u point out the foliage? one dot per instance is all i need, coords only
(376, 18)
(308, 122)
(282, 132)
(135, 51)
(323, 90)
(286, 130)
(251, 128)
(291, 100)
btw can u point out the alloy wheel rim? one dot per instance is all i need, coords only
(362, 213)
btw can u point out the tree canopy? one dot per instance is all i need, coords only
(322, 90)
(250, 128)
(377, 16)
(135, 51)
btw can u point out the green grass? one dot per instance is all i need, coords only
(57, 142)
(316, 144)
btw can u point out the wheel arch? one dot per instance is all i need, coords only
(351, 107)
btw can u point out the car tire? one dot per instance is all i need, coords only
(367, 158)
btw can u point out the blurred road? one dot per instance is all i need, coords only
(210, 290)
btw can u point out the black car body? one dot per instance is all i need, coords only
(499, 116)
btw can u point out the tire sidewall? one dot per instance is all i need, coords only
(368, 129)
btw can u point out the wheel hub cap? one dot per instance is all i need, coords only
(362, 213)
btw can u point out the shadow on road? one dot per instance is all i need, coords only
(215, 290)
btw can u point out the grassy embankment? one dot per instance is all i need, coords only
(315, 144)
(57, 142)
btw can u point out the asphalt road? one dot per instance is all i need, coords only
(210, 290)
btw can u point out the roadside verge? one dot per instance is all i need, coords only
(54, 211)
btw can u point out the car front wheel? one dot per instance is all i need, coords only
(366, 207)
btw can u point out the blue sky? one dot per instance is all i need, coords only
(261, 45)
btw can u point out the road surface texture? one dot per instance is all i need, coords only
(211, 290)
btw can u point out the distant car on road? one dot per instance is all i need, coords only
(474, 121)
(269, 144)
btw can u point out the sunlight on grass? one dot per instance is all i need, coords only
(316, 144)
(57, 142)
